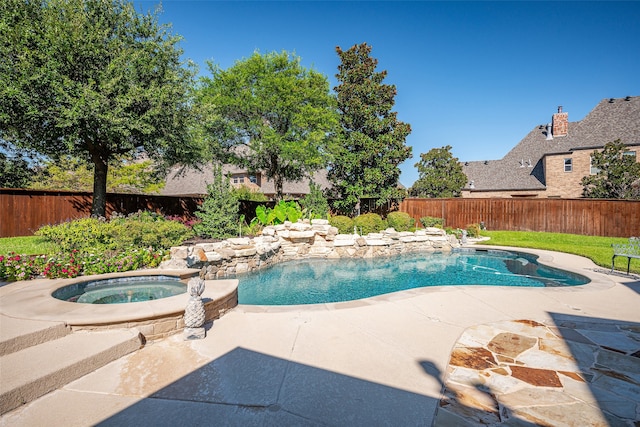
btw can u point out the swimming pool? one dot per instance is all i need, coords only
(317, 281)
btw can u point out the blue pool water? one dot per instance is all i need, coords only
(321, 280)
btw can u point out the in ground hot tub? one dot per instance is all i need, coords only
(122, 290)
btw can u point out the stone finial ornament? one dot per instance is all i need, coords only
(194, 314)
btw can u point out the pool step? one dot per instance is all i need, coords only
(39, 369)
(18, 334)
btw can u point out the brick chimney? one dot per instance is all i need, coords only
(560, 123)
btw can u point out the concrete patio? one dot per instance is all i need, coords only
(431, 356)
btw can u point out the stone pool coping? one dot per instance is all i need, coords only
(32, 300)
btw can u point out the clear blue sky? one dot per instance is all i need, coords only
(477, 76)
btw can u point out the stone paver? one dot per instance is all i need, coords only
(575, 371)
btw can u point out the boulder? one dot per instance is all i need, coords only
(297, 236)
(299, 226)
(226, 253)
(375, 242)
(213, 256)
(181, 252)
(269, 231)
(434, 231)
(199, 254)
(245, 252)
(239, 241)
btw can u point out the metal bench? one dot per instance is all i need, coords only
(629, 250)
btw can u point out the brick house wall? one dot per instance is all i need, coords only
(568, 184)
(565, 183)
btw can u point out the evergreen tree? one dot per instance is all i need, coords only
(315, 203)
(439, 175)
(618, 174)
(219, 211)
(372, 140)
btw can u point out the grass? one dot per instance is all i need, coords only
(26, 245)
(596, 248)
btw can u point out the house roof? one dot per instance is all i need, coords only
(188, 181)
(611, 119)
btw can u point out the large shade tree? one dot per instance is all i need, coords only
(72, 174)
(372, 139)
(94, 80)
(439, 174)
(15, 171)
(617, 176)
(268, 113)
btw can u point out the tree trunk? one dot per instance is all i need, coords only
(277, 180)
(99, 203)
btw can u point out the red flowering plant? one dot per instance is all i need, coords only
(19, 267)
(92, 246)
(63, 266)
(189, 222)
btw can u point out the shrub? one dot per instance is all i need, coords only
(400, 221)
(473, 230)
(131, 259)
(95, 246)
(142, 229)
(314, 203)
(369, 223)
(79, 234)
(455, 231)
(146, 229)
(252, 229)
(344, 224)
(219, 211)
(188, 222)
(429, 221)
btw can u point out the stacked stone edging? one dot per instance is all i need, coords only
(302, 240)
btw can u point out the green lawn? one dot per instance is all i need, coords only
(596, 248)
(27, 245)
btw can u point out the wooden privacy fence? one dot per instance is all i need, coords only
(591, 217)
(22, 212)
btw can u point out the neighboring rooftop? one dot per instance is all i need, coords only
(192, 182)
(522, 167)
